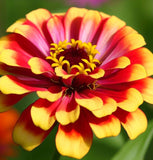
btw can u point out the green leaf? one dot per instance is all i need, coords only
(136, 149)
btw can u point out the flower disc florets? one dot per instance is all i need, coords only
(74, 56)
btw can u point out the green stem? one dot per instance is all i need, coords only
(56, 155)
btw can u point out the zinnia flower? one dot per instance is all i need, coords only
(7, 123)
(89, 70)
(83, 3)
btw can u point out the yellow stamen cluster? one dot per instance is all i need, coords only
(90, 49)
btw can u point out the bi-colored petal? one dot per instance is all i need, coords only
(4, 43)
(16, 24)
(19, 44)
(61, 73)
(74, 140)
(133, 99)
(54, 25)
(26, 133)
(134, 123)
(109, 106)
(39, 66)
(115, 39)
(42, 113)
(144, 57)
(68, 111)
(88, 100)
(89, 25)
(97, 74)
(130, 73)
(105, 127)
(38, 17)
(126, 44)
(128, 100)
(14, 86)
(72, 22)
(118, 63)
(145, 86)
(7, 101)
(32, 34)
(52, 94)
(14, 58)
(110, 27)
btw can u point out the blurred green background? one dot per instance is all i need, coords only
(137, 14)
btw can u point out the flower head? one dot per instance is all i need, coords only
(89, 70)
(8, 120)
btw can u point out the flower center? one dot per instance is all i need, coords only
(74, 56)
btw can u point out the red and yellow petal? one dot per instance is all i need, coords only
(134, 123)
(144, 57)
(7, 101)
(118, 63)
(88, 100)
(132, 97)
(109, 106)
(13, 47)
(38, 17)
(54, 25)
(97, 73)
(26, 133)
(145, 87)
(19, 44)
(74, 140)
(14, 58)
(110, 27)
(104, 127)
(61, 73)
(89, 25)
(119, 35)
(68, 111)
(4, 43)
(39, 66)
(128, 100)
(32, 34)
(43, 113)
(16, 24)
(14, 86)
(52, 94)
(128, 43)
(130, 73)
(72, 22)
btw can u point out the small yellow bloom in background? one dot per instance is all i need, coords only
(7, 123)
(89, 70)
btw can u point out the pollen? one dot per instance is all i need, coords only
(74, 56)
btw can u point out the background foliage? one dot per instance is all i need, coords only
(136, 13)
